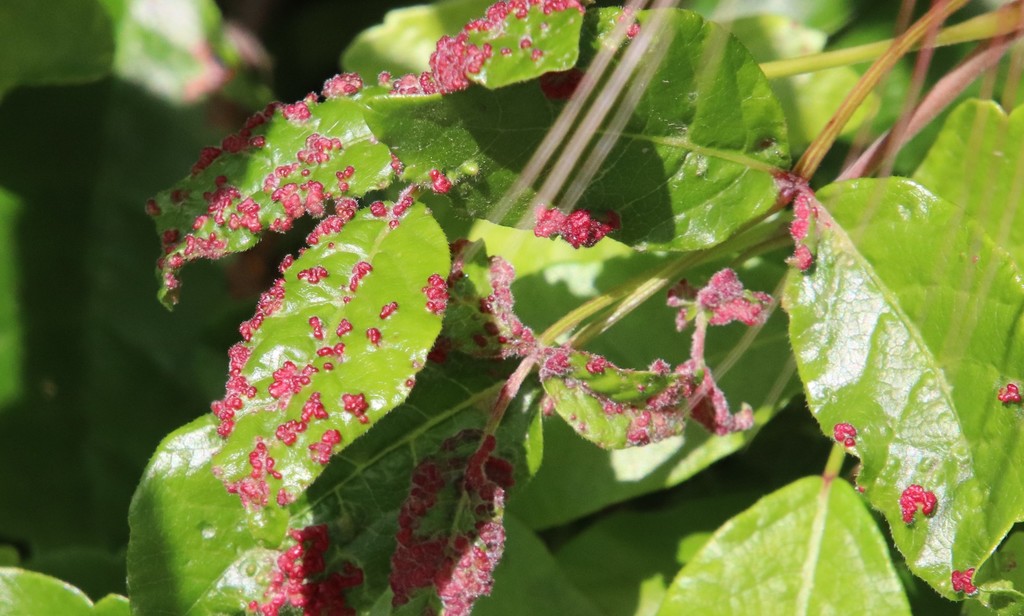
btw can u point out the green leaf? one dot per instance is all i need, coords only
(975, 163)
(809, 548)
(95, 571)
(186, 528)
(1004, 594)
(60, 41)
(612, 407)
(334, 345)
(286, 162)
(27, 592)
(10, 320)
(649, 547)
(910, 345)
(683, 173)
(810, 99)
(404, 42)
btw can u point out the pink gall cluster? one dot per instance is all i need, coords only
(723, 298)
(1009, 394)
(458, 563)
(345, 84)
(292, 583)
(254, 490)
(578, 228)
(845, 433)
(963, 581)
(915, 497)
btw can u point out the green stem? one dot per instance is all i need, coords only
(816, 151)
(835, 462)
(989, 25)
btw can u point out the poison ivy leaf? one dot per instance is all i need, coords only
(286, 162)
(404, 42)
(809, 100)
(826, 555)
(10, 321)
(27, 592)
(334, 345)
(613, 407)
(578, 478)
(903, 350)
(186, 528)
(649, 547)
(37, 49)
(984, 184)
(670, 170)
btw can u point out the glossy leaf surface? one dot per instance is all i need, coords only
(909, 346)
(207, 544)
(683, 172)
(287, 162)
(334, 345)
(27, 592)
(986, 183)
(404, 41)
(826, 555)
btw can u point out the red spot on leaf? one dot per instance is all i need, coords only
(318, 327)
(313, 275)
(320, 452)
(437, 294)
(1010, 394)
(373, 335)
(357, 405)
(345, 84)
(845, 433)
(296, 112)
(359, 271)
(578, 228)
(388, 309)
(913, 497)
(298, 580)
(439, 182)
(560, 85)
(963, 581)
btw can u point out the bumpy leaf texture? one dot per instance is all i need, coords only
(334, 345)
(692, 163)
(193, 546)
(907, 353)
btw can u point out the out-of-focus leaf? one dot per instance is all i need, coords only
(649, 547)
(684, 172)
(909, 346)
(977, 163)
(175, 50)
(335, 344)
(58, 41)
(26, 593)
(9, 556)
(810, 99)
(825, 552)
(404, 42)
(11, 353)
(94, 571)
(186, 528)
(827, 15)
